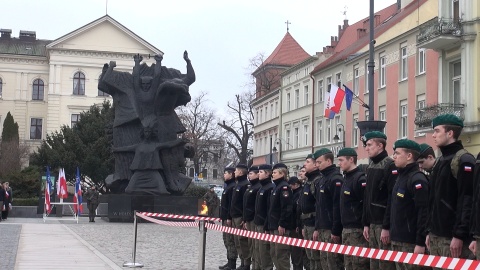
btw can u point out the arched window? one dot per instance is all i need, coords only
(79, 83)
(100, 92)
(38, 89)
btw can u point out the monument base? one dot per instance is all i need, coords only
(121, 206)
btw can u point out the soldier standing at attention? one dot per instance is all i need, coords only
(451, 191)
(249, 213)
(229, 177)
(280, 220)
(409, 208)
(351, 207)
(426, 161)
(92, 203)
(262, 248)
(307, 208)
(236, 211)
(328, 223)
(296, 252)
(301, 175)
(381, 175)
(475, 228)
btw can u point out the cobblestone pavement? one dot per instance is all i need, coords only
(9, 237)
(158, 246)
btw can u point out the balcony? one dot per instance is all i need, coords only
(424, 116)
(440, 33)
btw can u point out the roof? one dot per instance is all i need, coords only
(287, 53)
(349, 44)
(18, 46)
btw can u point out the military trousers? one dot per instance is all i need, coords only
(280, 253)
(478, 250)
(329, 260)
(251, 246)
(312, 255)
(229, 244)
(296, 253)
(440, 246)
(262, 248)
(241, 242)
(375, 242)
(354, 237)
(405, 247)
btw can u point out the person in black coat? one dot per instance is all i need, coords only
(296, 252)
(2, 198)
(226, 201)
(7, 200)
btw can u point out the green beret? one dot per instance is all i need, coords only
(447, 119)
(424, 147)
(321, 152)
(408, 144)
(348, 152)
(373, 134)
(310, 156)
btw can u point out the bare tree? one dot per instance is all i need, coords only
(265, 76)
(239, 129)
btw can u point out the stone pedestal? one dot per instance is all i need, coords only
(121, 206)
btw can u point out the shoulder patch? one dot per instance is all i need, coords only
(467, 168)
(364, 184)
(394, 172)
(285, 188)
(338, 184)
(418, 186)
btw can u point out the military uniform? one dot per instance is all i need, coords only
(92, 203)
(262, 248)
(475, 228)
(225, 215)
(211, 199)
(248, 215)
(280, 213)
(296, 252)
(236, 211)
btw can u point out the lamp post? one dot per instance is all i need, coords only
(341, 129)
(271, 148)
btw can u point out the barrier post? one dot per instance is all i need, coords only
(134, 264)
(203, 242)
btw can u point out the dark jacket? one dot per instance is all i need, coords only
(249, 200)
(236, 210)
(409, 208)
(381, 175)
(92, 196)
(280, 208)
(226, 200)
(450, 197)
(296, 214)
(351, 198)
(475, 228)
(307, 198)
(261, 202)
(328, 201)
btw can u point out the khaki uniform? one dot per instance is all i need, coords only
(375, 242)
(262, 248)
(280, 253)
(329, 260)
(440, 246)
(229, 244)
(255, 265)
(313, 255)
(354, 237)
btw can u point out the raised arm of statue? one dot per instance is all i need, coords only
(158, 64)
(136, 72)
(171, 144)
(129, 148)
(190, 72)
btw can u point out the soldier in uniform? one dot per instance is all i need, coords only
(381, 175)
(236, 212)
(280, 220)
(351, 207)
(328, 224)
(301, 175)
(307, 208)
(475, 228)
(409, 207)
(426, 161)
(451, 191)
(296, 252)
(229, 177)
(211, 199)
(249, 213)
(92, 203)
(262, 248)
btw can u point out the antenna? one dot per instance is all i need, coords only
(106, 7)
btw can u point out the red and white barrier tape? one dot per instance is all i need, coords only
(169, 223)
(372, 253)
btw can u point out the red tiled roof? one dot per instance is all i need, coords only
(349, 44)
(287, 53)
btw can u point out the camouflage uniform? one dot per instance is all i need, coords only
(225, 215)
(354, 237)
(329, 260)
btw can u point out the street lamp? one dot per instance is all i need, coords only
(341, 129)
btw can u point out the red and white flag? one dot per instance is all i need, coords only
(48, 184)
(62, 185)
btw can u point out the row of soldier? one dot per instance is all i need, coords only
(389, 204)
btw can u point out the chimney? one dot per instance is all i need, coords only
(6, 33)
(361, 33)
(27, 35)
(333, 41)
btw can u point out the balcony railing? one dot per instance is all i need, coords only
(439, 27)
(425, 115)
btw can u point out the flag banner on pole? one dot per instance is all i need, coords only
(328, 112)
(336, 98)
(62, 185)
(348, 97)
(48, 207)
(77, 198)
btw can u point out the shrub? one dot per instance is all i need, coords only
(25, 201)
(25, 184)
(195, 191)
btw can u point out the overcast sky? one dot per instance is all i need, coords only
(220, 36)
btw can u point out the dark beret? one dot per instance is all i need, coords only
(280, 165)
(347, 152)
(406, 143)
(447, 119)
(321, 152)
(424, 147)
(253, 168)
(310, 156)
(373, 134)
(265, 167)
(229, 169)
(241, 166)
(294, 180)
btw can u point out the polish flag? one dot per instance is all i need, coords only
(48, 184)
(62, 185)
(418, 186)
(328, 104)
(336, 98)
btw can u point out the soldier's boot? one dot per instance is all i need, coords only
(222, 267)
(241, 267)
(232, 265)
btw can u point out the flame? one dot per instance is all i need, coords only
(204, 209)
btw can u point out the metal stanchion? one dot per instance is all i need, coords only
(203, 242)
(134, 264)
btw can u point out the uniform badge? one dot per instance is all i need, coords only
(346, 192)
(338, 184)
(364, 184)
(394, 172)
(401, 195)
(322, 191)
(237, 189)
(285, 188)
(250, 190)
(418, 186)
(273, 193)
(261, 193)
(305, 193)
(467, 168)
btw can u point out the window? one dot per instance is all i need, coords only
(403, 118)
(1, 86)
(356, 80)
(288, 102)
(79, 83)
(260, 147)
(261, 116)
(382, 115)
(266, 113)
(329, 81)
(404, 63)
(38, 90)
(456, 10)
(215, 157)
(421, 101)
(457, 76)
(256, 119)
(276, 108)
(319, 132)
(271, 111)
(74, 120)
(191, 172)
(35, 129)
(320, 91)
(338, 78)
(367, 115)
(329, 130)
(305, 95)
(297, 98)
(287, 136)
(305, 135)
(421, 61)
(214, 173)
(296, 139)
(337, 123)
(355, 134)
(383, 72)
